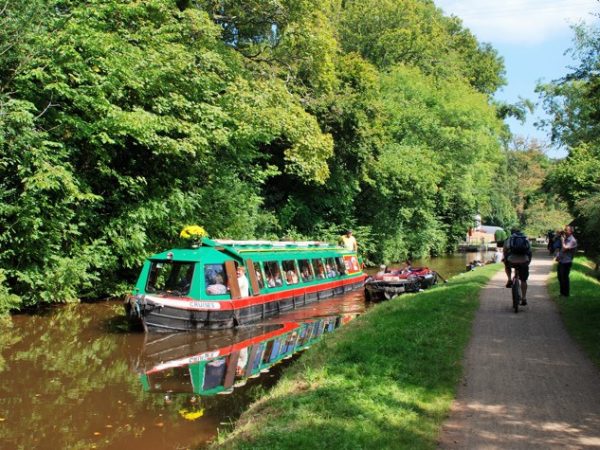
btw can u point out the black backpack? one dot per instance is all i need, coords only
(518, 245)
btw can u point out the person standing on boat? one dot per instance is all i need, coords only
(243, 282)
(349, 242)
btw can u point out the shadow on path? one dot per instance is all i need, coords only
(526, 384)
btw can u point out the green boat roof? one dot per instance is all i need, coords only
(212, 251)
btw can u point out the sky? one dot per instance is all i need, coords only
(532, 36)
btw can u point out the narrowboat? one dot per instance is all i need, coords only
(389, 283)
(182, 363)
(205, 286)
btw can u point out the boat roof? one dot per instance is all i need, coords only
(212, 250)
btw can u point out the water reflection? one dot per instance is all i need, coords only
(193, 363)
(71, 381)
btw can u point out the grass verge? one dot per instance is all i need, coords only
(386, 380)
(581, 311)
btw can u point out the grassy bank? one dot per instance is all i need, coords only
(386, 380)
(581, 311)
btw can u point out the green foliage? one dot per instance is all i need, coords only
(8, 301)
(573, 103)
(121, 122)
(415, 33)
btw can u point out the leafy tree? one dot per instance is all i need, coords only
(121, 122)
(573, 103)
(416, 33)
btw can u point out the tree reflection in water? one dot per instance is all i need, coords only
(71, 381)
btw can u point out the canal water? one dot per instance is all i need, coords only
(76, 377)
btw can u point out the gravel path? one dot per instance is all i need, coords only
(526, 384)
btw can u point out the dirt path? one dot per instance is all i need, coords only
(526, 383)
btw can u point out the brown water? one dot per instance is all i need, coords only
(75, 377)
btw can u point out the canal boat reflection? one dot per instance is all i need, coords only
(216, 364)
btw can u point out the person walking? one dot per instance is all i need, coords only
(565, 259)
(517, 254)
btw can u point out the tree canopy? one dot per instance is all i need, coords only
(123, 121)
(573, 103)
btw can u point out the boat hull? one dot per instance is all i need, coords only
(379, 289)
(163, 314)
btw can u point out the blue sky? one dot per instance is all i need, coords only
(532, 37)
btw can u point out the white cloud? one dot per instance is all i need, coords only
(526, 22)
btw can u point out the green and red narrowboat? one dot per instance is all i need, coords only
(194, 288)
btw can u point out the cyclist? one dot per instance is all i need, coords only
(517, 254)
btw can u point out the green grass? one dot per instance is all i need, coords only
(386, 380)
(581, 311)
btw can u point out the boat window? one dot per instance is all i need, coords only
(170, 277)
(258, 357)
(341, 267)
(330, 268)
(273, 274)
(215, 279)
(259, 275)
(268, 350)
(306, 270)
(214, 373)
(319, 268)
(291, 274)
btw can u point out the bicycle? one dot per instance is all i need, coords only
(516, 290)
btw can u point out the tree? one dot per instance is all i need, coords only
(574, 105)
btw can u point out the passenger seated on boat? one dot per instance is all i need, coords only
(216, 287)
(291, 277)
(330, 272)
(306, 275)
(259, 279)
(382, 270)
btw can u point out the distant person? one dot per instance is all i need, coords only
(498, 255)
(243, 282)
(349, 242)
(565, 259)
(382, 270)
(517, 254)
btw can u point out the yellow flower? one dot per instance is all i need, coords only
(191, 415)
(193, 232)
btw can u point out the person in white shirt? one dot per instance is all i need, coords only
(243, 282)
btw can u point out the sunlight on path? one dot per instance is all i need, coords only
(526, 384)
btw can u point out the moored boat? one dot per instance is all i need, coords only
(201, 287)
(392, 282)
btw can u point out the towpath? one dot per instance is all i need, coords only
(526, 384)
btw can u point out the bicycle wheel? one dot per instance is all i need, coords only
(516, 294)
